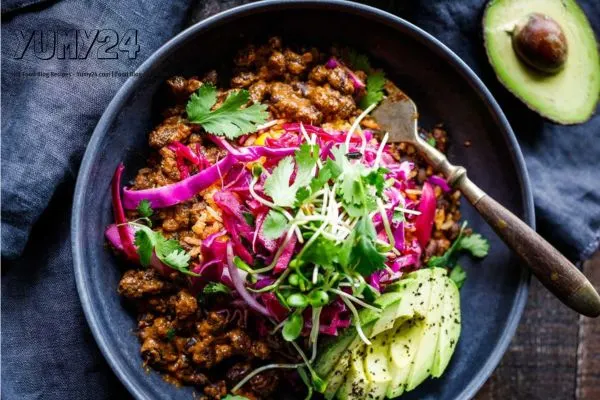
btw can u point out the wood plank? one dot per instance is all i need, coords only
(542, 358)
(588, 365)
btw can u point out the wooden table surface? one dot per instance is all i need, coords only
(555, 354)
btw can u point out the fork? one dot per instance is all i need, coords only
(398, 115)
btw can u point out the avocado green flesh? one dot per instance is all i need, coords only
(356, 384)
(420, 315)
(567, 97)
(402, 309)
(332, 353)
(403, 348)
(336, 377)
(423, 362)
(449, 329)
(377, 368)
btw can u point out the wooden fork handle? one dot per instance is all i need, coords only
(553, 269)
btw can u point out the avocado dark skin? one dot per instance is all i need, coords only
(541, 43)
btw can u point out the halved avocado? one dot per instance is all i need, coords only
(567, 94)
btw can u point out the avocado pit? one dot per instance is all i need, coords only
(540, 42)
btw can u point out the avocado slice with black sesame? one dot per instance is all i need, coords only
(407, 336)
(377, 366)
(422, 363)
(449, 329)
(337, 376)
(356, 384)
(545, 53)
(403, 347)
(333, 351)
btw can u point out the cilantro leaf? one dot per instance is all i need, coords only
(278, 184)
(275, 225)
(374, 90)
(476, 244)
(353, 190)
(169, 251)
(322, 252)
(177, 259)
(145, 245)
(357, 198)
(364, 256)
(458, 275)
(438, 262)
(356, 182)
(278, 187)
(144, 209)
(306, 159)
(398, 217)
(215, 287)
(339, 158)
(377, 179)
(329, 171)
(201, 102)
(234, 397)
(230, 119)
(358, 61)
(302, 194)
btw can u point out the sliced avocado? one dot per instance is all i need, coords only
(400, 310)
(403, 347)
(450, 329)
(405, 343)
(331, 352)
(337, 376)
(569, 93)
(423, 362)
(387, 316)
(356, 384)
(376, 366)
(411, 303)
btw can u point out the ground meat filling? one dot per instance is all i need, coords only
(193, 345)
(211, 344)
(296, 85)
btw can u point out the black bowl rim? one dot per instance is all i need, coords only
(234, 13)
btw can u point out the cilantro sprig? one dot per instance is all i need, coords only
(364, 255)
(214, 288)
(278, 186)
(144, 209)
(231, 119)
(169, 251)
(375, 80)
(476, 245)
(358, 186)
(275, 225)
(458, 275)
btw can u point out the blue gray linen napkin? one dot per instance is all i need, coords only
(47, 350)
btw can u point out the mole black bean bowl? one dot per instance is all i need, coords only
(442, 86)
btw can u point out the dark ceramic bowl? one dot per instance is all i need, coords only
(442, 86)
